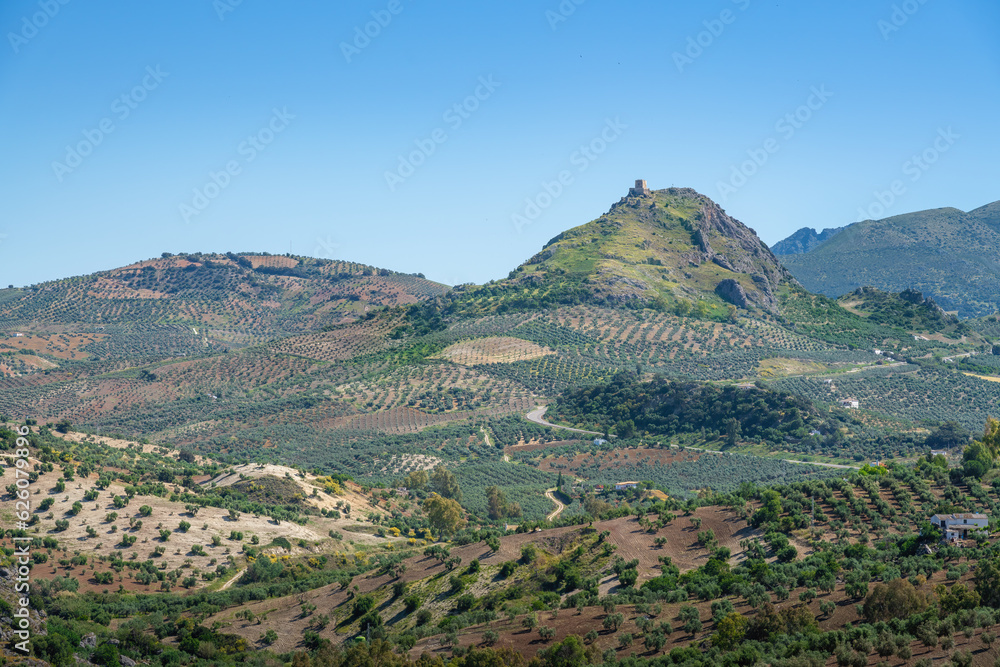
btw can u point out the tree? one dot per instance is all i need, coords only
(897, 599)
(730, 631)
(570, 652)
(956, 598)
(417, 479)
(691, 618)
(856, 584)
(628, 577)
(991, 437)
(770, 510)
(444, 482)
(496, 503)
(947, 436)
(732, 431)
(444, 514)
(613, 621)
(53, 648)
(655, 640)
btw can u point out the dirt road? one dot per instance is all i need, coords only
(559, 506)
(233, 580)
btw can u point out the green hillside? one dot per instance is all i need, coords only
(672, 250)
(181, 304)
(949, 255)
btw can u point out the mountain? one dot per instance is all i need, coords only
(950, 255)
(184, 303)
(672, 249)
(804, 240)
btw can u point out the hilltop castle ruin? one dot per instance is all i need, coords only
(640, 189)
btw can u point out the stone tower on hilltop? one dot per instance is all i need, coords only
(640, 190)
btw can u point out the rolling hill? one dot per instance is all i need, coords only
(339, 455)
(190, 303)
(665, 284)
(949, 255)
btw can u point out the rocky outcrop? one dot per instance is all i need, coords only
(735, 247)
(731, 291)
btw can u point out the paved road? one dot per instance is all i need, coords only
(536, 416)
(559, 506)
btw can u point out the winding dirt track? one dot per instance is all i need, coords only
(559, 506)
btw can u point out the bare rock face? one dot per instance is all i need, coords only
(737, 248)
(731, 291)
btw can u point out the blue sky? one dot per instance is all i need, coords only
(134, 128)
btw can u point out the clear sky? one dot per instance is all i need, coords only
(135, 128)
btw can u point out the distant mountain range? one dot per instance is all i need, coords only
(947, 254)
(804, 240)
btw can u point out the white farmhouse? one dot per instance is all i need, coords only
(958, 526)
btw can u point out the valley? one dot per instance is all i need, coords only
(649, 438)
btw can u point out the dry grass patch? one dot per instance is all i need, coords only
(494, 350)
